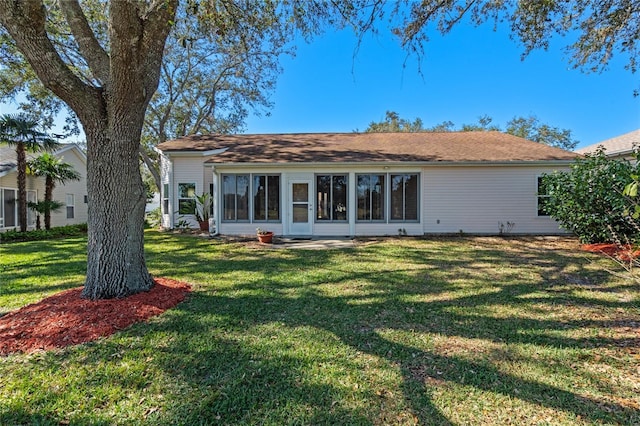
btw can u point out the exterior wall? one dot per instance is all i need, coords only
(477, 199)
(77, 188)
(471, 199)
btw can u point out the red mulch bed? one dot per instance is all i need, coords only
(625, 253)
(66, 319)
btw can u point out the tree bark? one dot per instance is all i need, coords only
(48, 197)
(22, 186)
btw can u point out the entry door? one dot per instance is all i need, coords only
(301, 209)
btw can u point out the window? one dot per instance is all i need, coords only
(31, 215)
(165, 198)
(404, 197)
(186, 198)
(235, 198)
(70, 200)
(9, 208)
(370, 193)
(331, 202)
(266, 197)
(543, 196)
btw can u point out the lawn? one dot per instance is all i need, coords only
(398, 331)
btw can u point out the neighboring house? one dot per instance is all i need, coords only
(350, 184)
(618, 147)
(72, 193)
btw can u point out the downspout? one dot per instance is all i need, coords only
(216, 212)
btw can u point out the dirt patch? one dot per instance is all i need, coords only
(625, 253)
(66, 319)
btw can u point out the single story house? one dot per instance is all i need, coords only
(357, 184)
(618, 148)
(72, 193)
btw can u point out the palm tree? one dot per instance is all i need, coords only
(21, 131)
(54, 171)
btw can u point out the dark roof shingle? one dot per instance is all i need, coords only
(481, 146)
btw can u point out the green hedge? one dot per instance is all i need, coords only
(13, 236)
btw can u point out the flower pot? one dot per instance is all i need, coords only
(204, 225)
(266, 238)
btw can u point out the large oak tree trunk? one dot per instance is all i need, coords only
(115, 248)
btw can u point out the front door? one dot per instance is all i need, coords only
(301, 209)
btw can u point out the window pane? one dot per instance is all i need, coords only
(339, 198)
(70, 206)
(397, 197)
(300, 214)
(411, 197)
(229, 197)
(273, 197)
(300, 192)
(259, 197)
(186, 190)
(363, 196)
(377, 197)
(323, 188)
(9, 204)
(242, 194)
(186, 206)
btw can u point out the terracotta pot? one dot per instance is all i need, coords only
(266, 238)
(204, 225)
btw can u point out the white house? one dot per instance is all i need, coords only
(72, 193)
(350, 184)
(619, 147)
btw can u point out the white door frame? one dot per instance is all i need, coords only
(300, 227)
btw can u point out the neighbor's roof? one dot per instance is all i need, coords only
(620, 145)
(8, 160)
(367, 147)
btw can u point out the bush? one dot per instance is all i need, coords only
(43, 234)
(589, 200)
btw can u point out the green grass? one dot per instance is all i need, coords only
(402, 331)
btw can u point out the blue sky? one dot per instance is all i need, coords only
(465, 74)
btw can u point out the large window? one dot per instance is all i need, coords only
(331, 193)
(543, 197)
(186, 198)
(404, 197)
(235, 198)
(370, 192)
(9, 208)
(266, 197)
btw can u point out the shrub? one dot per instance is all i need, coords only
(589, 200)
(43, 234)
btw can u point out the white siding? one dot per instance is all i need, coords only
(477, 199)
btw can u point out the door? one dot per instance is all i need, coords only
(301, 209)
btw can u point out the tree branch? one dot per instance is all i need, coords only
(91, 50)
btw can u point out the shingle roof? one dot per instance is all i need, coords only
(368, 147)
(619, 145)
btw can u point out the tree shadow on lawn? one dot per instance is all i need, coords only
(217, 350)
(357, 321)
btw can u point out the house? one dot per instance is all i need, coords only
(72, 193)
(352, 184)
(618, 148)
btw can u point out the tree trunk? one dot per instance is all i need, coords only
(22, 186)
(48, 197)
(116, 265)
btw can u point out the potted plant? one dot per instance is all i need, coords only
(203, 210)
(265, 237)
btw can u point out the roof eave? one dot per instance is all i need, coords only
(554, 162)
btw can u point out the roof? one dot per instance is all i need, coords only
(480, 146)
(8, 161)
(620, 145)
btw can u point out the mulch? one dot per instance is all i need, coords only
(624, 253)
(66, 319)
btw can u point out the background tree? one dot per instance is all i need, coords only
(525, 127)
(54, 171)
(23, 133)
